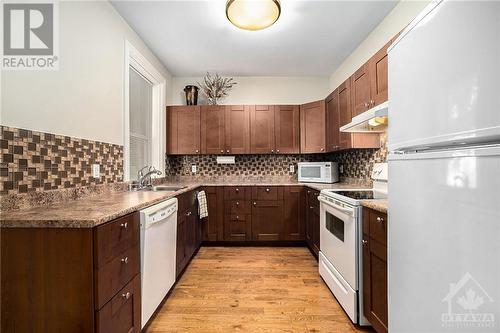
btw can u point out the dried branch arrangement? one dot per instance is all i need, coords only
(216, 87)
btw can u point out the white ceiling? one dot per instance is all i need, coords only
(310, 38)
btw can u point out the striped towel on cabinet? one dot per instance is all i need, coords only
(202, 204)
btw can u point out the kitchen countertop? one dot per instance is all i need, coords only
(376, 204)
(95, 210)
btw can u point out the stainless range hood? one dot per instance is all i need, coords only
(372, 121)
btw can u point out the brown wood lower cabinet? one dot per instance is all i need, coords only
(313, 221)
(375, 268)
(120, 314)
(71, 280)
(262, 213)
(267, 220)
(212, 226)
(189, 229)
(294, 208)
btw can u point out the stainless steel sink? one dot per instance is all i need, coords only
(165, 188)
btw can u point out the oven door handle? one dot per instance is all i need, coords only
(349, 211)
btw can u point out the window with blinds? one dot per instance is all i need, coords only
(140, 109)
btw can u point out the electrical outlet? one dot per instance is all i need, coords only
(292, 168)
(96, 170)
(193, 168)
(341, 167)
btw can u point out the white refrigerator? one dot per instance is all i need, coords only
(444, 171)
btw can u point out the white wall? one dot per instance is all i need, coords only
(261, 90)
(398, 18)
(84, 98)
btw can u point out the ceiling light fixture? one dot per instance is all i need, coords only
(253, 14)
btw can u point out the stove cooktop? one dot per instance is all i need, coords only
(353, 196)
(358, 195)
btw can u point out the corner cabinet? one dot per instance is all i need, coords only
(375, 306)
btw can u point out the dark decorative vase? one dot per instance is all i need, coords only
(191, 95)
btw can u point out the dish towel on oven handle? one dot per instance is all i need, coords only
(202, 204)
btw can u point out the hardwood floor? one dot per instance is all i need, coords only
(252, 289)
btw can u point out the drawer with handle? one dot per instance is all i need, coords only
(378, 226)
(267, 193)
(111, 277)
(123, 312)
(115, 237)
(237, 207)
(237, 193)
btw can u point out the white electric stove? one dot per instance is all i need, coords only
(340, 257)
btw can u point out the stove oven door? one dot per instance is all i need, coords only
(338, 238)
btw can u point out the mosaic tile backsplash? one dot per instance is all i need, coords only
(34, 161)
(357, 164)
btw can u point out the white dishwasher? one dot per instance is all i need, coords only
(158, 246)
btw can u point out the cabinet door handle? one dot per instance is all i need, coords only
(124, 225)
(277, 150)
(255, 204)
(237, 203)
(372, 102)
(380, 219)
(188, 214)
(126, 295)
(222, 151)
(125, 260)
(367, 105)
(197, 151)
(322, 149)
(272, 150)
(365, 242)
(227, 151)
(237, 217)
(267, 190)
(237, 190)
(311, 207)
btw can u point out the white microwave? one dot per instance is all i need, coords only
(318, 172)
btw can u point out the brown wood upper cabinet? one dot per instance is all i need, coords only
(262, 140)
(352, 140)
(183, 130)
(287, 129)
(213, 130)
(225, 129)
(378, 76)
(312, 127)
(369, 83)
(332, 121)
(237, 128)
(274, 129)
(360, 94)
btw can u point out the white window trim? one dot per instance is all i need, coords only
(133, 58)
